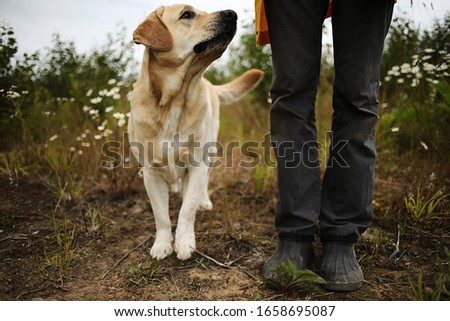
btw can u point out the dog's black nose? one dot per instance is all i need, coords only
(228, 15)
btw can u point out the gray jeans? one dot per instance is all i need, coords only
(343, 203)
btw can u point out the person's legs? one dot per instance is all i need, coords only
(296, 39)
(359, 30)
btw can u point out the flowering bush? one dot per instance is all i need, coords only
(414, 87)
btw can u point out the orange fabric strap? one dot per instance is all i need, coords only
(262, 28)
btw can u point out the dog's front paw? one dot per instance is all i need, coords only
(161, 250)
(185, 246)
(206, 205)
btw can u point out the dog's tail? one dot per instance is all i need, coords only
(236, 89)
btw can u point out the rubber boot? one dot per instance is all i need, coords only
(299, 253)
(340, 268)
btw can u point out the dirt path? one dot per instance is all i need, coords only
(239, 232)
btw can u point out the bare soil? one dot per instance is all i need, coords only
(239, 232)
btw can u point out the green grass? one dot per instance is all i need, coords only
(93, 219)
(12, 164)
(291, 280)
(65, 236)
(139, 273)
(424, 208)
(441, 288)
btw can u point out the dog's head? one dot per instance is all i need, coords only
(175, 33)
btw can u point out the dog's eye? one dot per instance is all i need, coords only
(187, 15)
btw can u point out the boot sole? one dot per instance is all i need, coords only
(342, 287)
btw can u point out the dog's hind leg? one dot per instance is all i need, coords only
(158, 193)
(204, 200)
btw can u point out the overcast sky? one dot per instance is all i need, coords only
(88, 21)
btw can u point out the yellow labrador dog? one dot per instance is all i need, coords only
(175, 112)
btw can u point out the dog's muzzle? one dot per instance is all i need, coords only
(226, 29)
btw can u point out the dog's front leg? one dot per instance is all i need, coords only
(158, 193)
(185, 233)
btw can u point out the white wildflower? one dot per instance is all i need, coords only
(429, 50)
(79, 139)
(24, 92)
(118, 116)
(387, 78)
(80, 152)
(72, 149)
(400, 80)
(116, 96)
(395, 73)
(89, 93)
(384, 105)
(54, 137)
(425, 146)
(442, 67)
(426, 57)
(97, 100)
(428, 67)
(108, 132)
(405, 68)
(97, 137)
(10, 94)
(83, 135)
(109, 109)
(112, 81)
(101, 128)
(93, 112)
(121, 122)
(414, 82)
(128, 114)
(86, 108)
(114, 90)
(130, 95)
(395, 129)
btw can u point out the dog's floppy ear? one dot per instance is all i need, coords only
(153, 33)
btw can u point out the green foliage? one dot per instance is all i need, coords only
(138, 274)
(43, 82)
(441, 289)
(65, 236)
(415, 89)
(12, 165)
(289, 279)
(93, 219)
(263, 178)
(424, 208)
